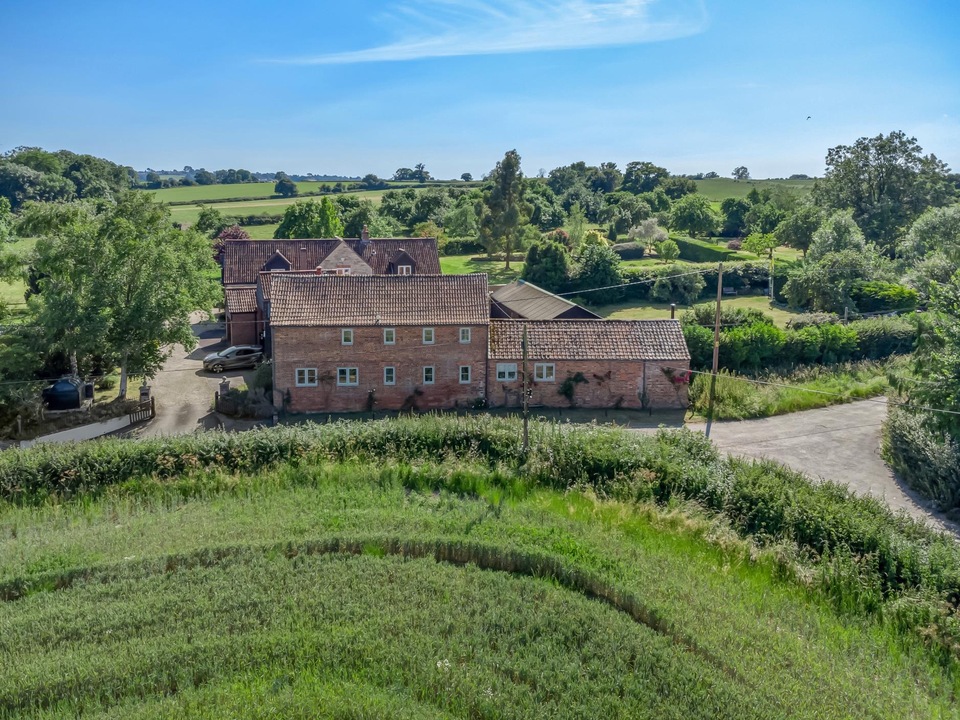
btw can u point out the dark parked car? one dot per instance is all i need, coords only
(236, 356)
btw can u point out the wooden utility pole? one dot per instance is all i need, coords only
(716, 350)
(526, 402)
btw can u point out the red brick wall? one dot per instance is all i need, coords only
(611, 383)
(321, 348)
(242, 329)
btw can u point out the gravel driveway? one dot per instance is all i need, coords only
(839, 443)
(184, 390)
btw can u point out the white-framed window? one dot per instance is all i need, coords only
(348, 376)
(544, 372)
(405, 270)
(343, 270)
(390, 376)
(306, 377)
(389, 336)
(464, 336)
(346, 336)
(429, 336)
(506, 372)
(464, 374)
(428, 375)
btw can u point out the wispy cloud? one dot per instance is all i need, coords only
(447, 28)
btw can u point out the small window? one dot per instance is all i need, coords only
(389, 336)
(428, 375)
(347, 376)
(464, 374)
(346, 336)
(405, 270)
(506, 372)
(389, 376)
(428, 336)
(306, 377)
(464, 335)
(543, 372)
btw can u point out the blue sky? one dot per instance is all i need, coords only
(372, 85)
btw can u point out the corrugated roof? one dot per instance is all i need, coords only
(244, 259)
(588, 340)
(528, 301)
(350, 300)
(241, 299)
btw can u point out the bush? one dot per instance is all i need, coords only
(630, 250)
(929, 461)
(705, 314)
(798, 322)
(878, 296)
(700, 344)
(838, 343)
(751, 347)
(879, 338)
(685, 289)
(700, 251)
(736, 244)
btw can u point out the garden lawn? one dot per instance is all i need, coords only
(366, 590)
(467, 264)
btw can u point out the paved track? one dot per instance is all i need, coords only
(839, 443)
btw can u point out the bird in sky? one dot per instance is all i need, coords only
(809, 116)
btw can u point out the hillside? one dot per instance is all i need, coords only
(718, 189)
(413, 569)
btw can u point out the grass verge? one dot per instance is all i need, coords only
(739, 397)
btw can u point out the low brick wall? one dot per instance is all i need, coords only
(608, 384)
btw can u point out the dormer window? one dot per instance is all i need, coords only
(404, 270)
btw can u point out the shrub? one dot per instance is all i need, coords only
(735, 244)
(802, 346)
(705, 314)
(630, 250)
(838, 343)
(929, 461)
(700, 251)
(263, 377)
(798, 322)
(879, 296)
(751, 347)
(700, 344)
(879, 338)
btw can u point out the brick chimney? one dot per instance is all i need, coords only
(364, 234)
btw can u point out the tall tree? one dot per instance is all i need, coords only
(122, 283)
(798, 227)
(506, 208)
(693, 214)
(642, 177)
(310, 219)
(887, 181)
(741, 173)
(286, 187)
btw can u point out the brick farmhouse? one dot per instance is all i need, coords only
(246, 261)
(350, 342)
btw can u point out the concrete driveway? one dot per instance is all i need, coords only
(184, 390)
(839, 443)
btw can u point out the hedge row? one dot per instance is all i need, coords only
(698, 251)
(929, 461)
(895, 554)
(761, 345)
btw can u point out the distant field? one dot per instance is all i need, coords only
(266, 206)
(224, 192)
(722, 188)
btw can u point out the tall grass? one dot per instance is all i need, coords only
(895, 557)
(738, 397)
(553, 605)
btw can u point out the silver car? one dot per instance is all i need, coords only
(235, 356)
